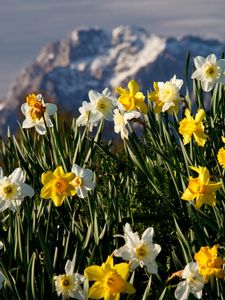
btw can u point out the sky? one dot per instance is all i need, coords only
(27, 25)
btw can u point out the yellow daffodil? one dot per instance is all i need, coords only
(193, 127)
(201, 188)
(57, 185)
(132, 99)
(166, 95)
(209, 263)
(221, 157)
(110, 280)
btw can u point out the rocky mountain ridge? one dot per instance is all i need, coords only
(92, 58)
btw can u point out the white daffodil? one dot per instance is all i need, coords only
(168, 93)
(69, 284)
(83, 182)
(88, 116)
(120, 118)
(139, 251)
(193, 283)
(13, 190)
(103, 103)
(37, 113)
(209, 71)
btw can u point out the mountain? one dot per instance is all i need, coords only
(92, 58)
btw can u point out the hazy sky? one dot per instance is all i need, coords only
(27, 25)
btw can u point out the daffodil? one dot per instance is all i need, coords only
(13, 190)
(57, 185)
(166, 95)
(132, 99)
(69, 284)
(209, 71)
(87, 116)
(110, 280)
(209, 263)
(221, 157)
(193, 283)
(120, 118)
(103, 104)
(139, 251)
(201, 188)
(37, 113)
(83, 181)
(193, 127)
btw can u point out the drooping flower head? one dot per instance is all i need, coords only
(209, 263)
(209, 71)
(57, 185)
(69, 284)
(132, 99)
(139, 251)
(110, 280)
(166, 95)
(193, 283)
(37, 113)
(13, 189)
(193, 127)
(120, 118)
(201, 188)
(83, 181)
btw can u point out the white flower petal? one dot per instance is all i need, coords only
(182, 291)
(1, 173)
(51, 108)
(147, 235)
(40, 129)
(207, 86)
(93, 96)
(211, 59)
(199, 61)
(152, 267)
(88, 184)
(77, 170)
(88, 174)
(4, 205)
(69, 267)
(17, 176)
(167, 105)
(106, 92)
(26, 190)
(28, 123)
(82, 192)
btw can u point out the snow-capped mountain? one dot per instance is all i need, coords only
(92, 58)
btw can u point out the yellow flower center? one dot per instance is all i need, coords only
(61, 185)
(8, 190)
(211, 71)
(141, 251)
(77, 182)
(114, 283)
(65, 283)
(103, 105)
(168, 92)
(196, 187)
(37, 108)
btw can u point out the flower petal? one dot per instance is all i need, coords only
(94, 273)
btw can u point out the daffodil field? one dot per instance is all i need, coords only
(83, 218)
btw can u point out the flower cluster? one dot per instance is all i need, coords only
(197, 274)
